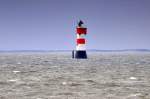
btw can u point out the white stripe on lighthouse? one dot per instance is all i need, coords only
(81, 47)
(80, 36)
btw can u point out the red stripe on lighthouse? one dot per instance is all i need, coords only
(80, 41)
(81, 30)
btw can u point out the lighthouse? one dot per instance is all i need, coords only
(80, 52)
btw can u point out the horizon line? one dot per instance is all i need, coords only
(102, 50)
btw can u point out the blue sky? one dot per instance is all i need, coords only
(50, 24)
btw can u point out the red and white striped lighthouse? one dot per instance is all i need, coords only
(80, 52)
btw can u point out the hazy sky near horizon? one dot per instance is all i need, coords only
(50, 24)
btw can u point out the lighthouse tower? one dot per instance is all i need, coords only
(80, 52)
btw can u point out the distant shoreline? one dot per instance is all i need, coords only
(90, 50)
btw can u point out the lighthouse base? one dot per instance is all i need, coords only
(80, 54)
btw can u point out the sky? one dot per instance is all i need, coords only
(51, 24)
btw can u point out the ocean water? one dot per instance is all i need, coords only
(55, 75)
